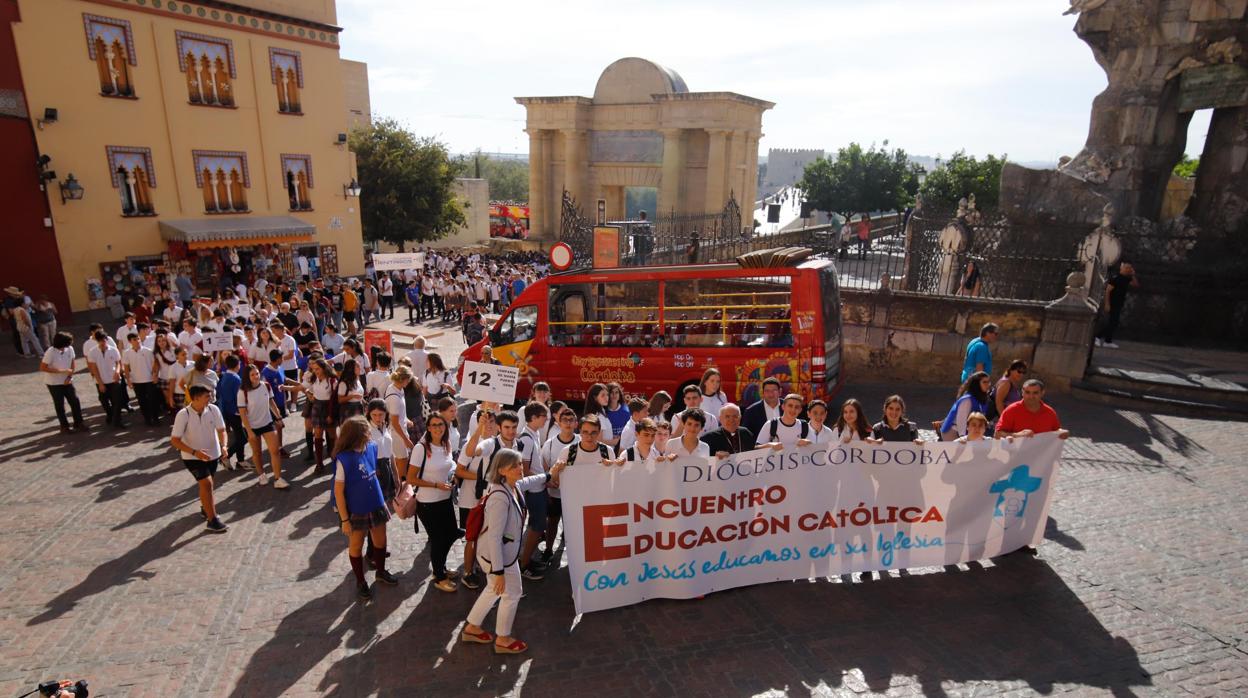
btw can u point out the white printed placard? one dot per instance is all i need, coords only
(693, 526)
(218, 341)
(398, 261)
(489, 382)
(242, 310)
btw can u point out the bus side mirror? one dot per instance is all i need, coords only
(495, 337)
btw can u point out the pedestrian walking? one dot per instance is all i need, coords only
(58, 369)
(199, 435)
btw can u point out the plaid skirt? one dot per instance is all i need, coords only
(364, 522)
(385, 477)
(349, 409)
(318, 414)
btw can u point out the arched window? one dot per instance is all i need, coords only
(133, 178)
(222, 175)
(209, 66)
(286, 69)
(297, 174)
(110, 45)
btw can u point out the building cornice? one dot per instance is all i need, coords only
(227, 15)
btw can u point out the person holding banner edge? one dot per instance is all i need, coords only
(498, 549)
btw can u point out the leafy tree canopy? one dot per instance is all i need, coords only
(509, 179)
(961, 176)
(407, 185)
(860, 180)
(1187, 167)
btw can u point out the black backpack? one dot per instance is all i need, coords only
(498, 445)
(775, 428)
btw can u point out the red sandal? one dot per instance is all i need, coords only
(484, 637)
(516, 647)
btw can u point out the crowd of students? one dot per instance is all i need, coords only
(391, 428)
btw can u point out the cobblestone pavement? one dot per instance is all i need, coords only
(107, 575)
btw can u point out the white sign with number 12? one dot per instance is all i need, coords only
(489, 382)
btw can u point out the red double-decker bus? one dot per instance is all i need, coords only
(509, 220)
(659, 328)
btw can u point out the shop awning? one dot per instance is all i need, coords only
(236, 231)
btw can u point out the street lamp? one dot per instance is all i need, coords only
(352, 189)
(71, 190)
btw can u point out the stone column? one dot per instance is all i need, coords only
(716, 170)
(736, 167)
(1065, 337)
(751, 179)
(538, 212)
(573, 170)
(1220, 202)
(673, 167)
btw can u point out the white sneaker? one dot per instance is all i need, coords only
(1099, 343)
(280, 484)
(264, 479)
(1110, 345)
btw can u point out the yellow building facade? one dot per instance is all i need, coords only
(205, 137)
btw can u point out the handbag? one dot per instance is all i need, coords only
(405, 501)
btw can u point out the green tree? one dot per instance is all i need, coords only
(407, 185)
(963, 175)
(508, 179)
(1187, 167)
(861, 180)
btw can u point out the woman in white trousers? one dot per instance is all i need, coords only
(498, 549)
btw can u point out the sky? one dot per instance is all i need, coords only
(930, 76)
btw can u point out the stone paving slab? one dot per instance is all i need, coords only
(1138, 590)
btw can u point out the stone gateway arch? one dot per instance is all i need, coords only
(642, 128)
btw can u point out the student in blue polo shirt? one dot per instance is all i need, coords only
(227, 401)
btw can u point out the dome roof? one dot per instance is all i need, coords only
(633, 80)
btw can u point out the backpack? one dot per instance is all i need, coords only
(775, 428)
(476, 520)
(498, 445)
(991, 407)
(602, 452)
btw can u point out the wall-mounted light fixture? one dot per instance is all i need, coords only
(341, 140)
(49, 117)
(71, 190)
(350, 190)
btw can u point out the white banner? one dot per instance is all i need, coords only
(693, 526)
(398, 261)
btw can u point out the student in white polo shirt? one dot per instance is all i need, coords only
(199, 434)
(820, 433)
(191, 338)
(787, 430)
(58, 374)
(642, 450)
(588, 451)
(692, 396)
(139, 369)
(689, 443)
(105, 363)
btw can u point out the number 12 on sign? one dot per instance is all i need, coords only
(489, 382)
